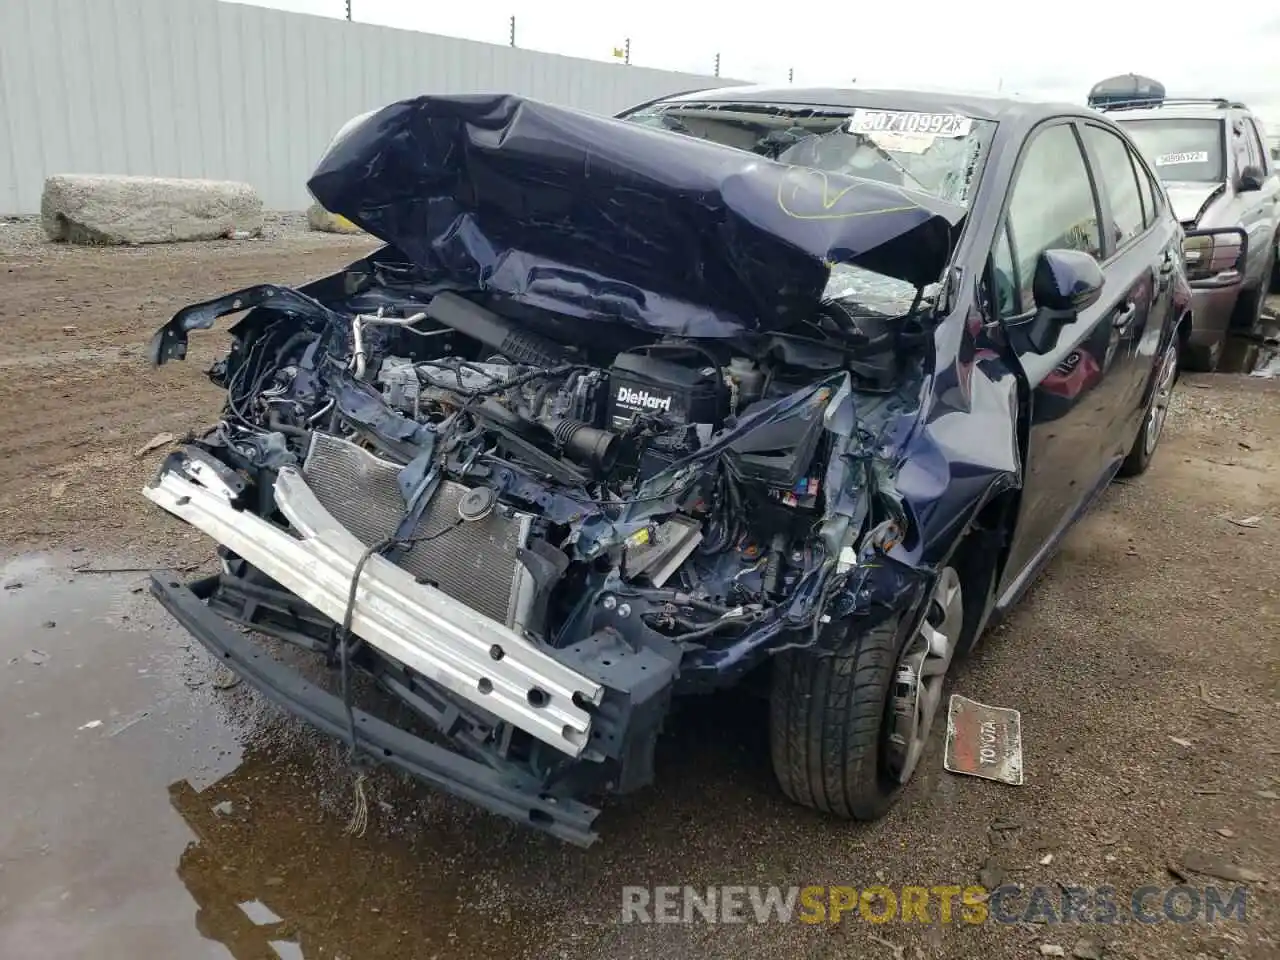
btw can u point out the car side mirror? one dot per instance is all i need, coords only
(1251, 178)
(1064, 283)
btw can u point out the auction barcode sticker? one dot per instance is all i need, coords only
(901, 121)
(1194, 156)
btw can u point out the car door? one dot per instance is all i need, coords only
(1053, 204)
(1260, 213)
(1139, 268)
(1257, 207)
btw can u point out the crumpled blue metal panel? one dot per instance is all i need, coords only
(600, 219)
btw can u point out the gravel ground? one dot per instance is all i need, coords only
(80, 398)
(1144, 662)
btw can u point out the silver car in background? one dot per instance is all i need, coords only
(1212, 157)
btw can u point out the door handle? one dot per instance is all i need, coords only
(1166, 263)
(1122, 320)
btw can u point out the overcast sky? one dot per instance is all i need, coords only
(1013, 46)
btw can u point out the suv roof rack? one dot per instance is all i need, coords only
(1143, 103)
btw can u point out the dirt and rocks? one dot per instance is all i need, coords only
(79, 397)
(154, 809)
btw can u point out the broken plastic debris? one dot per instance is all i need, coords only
(1249, 522)
(91, 725)
(1046, 859)
(984, 741)
(155, 443)
(1181, 742)
(259, 913)
(1199, 862)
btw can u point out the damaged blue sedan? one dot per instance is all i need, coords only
(796, 386)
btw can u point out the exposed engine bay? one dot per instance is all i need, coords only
(684, 476)
(656, 512)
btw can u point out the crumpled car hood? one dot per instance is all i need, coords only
(1188, 198)
(605, 220)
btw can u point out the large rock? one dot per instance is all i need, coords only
(321, 219)
(98, 208)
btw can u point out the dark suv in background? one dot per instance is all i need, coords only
(1212, 158)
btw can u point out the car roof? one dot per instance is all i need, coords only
(980, 108)
(1180, 112)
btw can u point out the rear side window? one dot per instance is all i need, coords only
(1118, 177)
(1149, 187)
(1052, 205)
(1148, 195)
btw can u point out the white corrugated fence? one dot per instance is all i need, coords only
(199, 88)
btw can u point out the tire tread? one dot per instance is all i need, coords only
(826, 715)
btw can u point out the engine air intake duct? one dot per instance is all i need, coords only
(584, 443)
(505, 336)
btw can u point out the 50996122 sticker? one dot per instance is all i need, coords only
(1190, 156)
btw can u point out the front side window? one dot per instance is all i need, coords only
(1004, 276)
(1117, 176)
(1180, 149)
(1052, 206)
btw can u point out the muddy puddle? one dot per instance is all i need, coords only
(150, 811)
(1257, 355)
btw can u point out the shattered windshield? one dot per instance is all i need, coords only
(935, 153)
(1180, 149)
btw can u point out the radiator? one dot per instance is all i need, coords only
(474, 563)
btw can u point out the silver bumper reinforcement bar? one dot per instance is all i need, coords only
(472, 656)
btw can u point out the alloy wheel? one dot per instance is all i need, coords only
(921, 673)
(1159, 410)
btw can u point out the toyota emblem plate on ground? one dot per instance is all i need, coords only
(984, 741)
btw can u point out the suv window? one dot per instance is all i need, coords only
(1052, 206)
(1241, 147)
(1257, 155)
(1114, 167)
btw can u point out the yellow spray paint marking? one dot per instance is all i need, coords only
(829, 199)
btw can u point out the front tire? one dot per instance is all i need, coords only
(1247, 316)
(847, 731)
